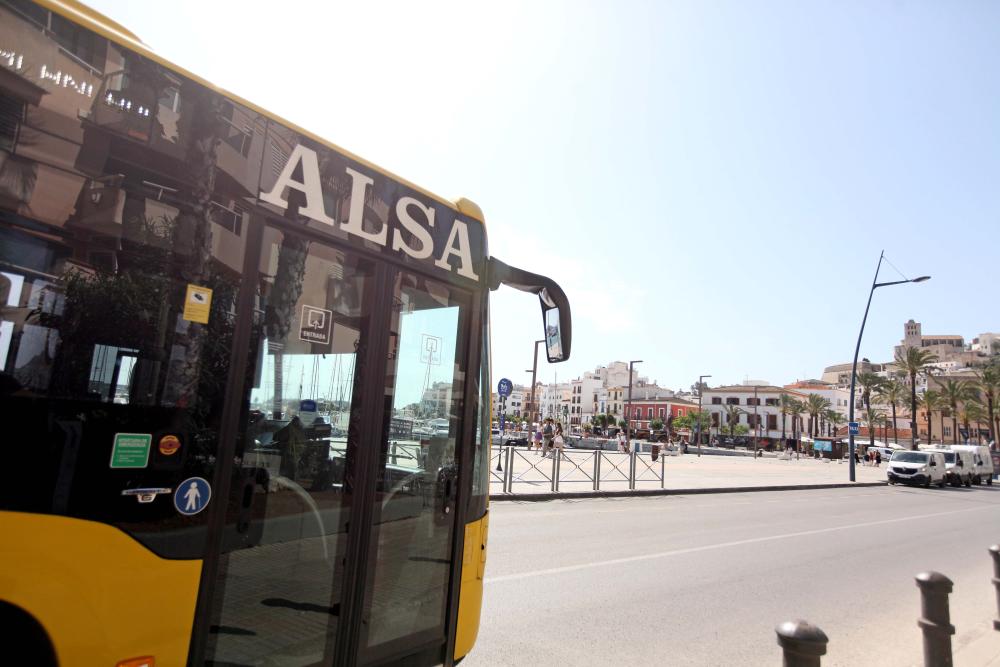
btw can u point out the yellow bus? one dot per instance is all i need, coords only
(245, 382)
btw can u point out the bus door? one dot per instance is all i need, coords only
(409, 563)
(337, 535)
(277, 590)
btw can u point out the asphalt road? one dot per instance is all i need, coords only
(704, 579)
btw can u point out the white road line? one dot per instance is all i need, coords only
(722, 545)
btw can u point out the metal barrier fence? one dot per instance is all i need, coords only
(407, 454)
(573, 469)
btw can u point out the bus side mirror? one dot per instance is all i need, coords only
(557, 323)
(556, 344)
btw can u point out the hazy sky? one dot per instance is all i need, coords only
(711, 182)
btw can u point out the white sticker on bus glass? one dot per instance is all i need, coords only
(314, 327)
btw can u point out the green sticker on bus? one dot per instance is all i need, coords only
(131, 450)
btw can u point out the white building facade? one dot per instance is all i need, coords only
(757, 407)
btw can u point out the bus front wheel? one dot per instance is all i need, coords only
(21, 634)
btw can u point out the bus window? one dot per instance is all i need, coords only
(481, 460)
(413, 526)
(277, 594)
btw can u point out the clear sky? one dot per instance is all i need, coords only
(711, 182)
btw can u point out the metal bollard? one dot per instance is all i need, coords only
(995, 552)
(935, 618)
(510, 469)
(802, 643)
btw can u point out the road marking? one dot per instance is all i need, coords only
(721, 545)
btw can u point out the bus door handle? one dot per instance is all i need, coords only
(447, 490)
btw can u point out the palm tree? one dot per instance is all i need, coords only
(913, 361)
(995, 397)
(955, 392)
(785, 403)
(930, 401)
(874, 417)
(795, 410)
(869, 383)
(815, 405)
(971, 411)
(989, 385)
(835, 419)
(891, 393)
(732, 417)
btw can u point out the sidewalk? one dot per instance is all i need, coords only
(688, 473)
(982, 651)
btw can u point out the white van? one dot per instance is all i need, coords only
(983, 471)
(960, 466)
(925, 468)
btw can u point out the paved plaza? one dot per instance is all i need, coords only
(576, 471)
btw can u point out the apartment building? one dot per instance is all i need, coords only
(641, 413)
(755, 406)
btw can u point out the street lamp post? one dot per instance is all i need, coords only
(857, 349)
(756, 423)
(700, 417)
(628, 411)
(531, 400)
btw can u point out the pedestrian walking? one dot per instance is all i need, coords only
(558, 441)
(547, 434)
(878, 458)
(621, 440)
(538, 440)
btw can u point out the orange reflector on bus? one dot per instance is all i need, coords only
(144, 661)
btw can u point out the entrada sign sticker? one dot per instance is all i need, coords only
(315, 325)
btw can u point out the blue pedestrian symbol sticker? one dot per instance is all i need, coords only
(192, 496)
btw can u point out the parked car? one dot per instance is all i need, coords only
(518, 439)
(983, 462)
(924, 468)
(960, 467)
(886, 452)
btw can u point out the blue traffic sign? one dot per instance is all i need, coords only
(192, 496)
(504, 387)
(852, 428)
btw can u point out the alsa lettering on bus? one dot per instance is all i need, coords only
(457, 243)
